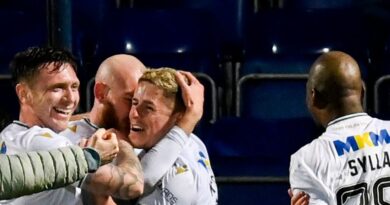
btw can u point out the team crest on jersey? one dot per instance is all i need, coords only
(181, 169)
(73, 128)
(203, 160)
(3, 148)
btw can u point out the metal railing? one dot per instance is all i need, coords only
(252, 180)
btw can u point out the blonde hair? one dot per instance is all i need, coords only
(165, 79)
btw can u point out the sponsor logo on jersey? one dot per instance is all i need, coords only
(357, 142)
(47, 135)
(167, 194)
(203, 160)
(3, 148)
(181, 169)
(73, 128)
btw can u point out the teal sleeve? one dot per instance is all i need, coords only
(93, 159)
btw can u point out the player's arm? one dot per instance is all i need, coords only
(121, 179)
(303, 179)
(43, 170)
(157, 161)
(180, 186)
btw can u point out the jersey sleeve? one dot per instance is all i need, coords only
(157, 161)
(178, 186)
(303, 178)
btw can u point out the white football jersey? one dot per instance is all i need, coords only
(348, 164)
(155, 163)
(79, 129)
(17, 138)
(190, 180)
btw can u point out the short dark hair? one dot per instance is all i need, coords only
(26, 64)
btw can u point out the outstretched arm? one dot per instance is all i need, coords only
(33, 172)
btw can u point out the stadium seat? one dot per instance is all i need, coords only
(287, 41)
(272, 96)
(227, 16)
(182, 39)
(250, 157)
(256, 147)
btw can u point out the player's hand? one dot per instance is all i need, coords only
(193, 97)
(105, 142)
(299, 199)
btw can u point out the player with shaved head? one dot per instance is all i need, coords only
(115, 84)
(350, 162)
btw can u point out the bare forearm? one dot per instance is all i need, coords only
(122, 179)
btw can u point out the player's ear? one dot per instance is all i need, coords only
(318, 99)
(23, 92)
(363, 93)
(100, 91)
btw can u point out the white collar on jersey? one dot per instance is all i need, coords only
(20, 124)
(88, 121)
(346, 117)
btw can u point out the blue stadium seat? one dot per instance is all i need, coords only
(182, 39)
(272, 96)
(288, 41)
(228, 16)
(250, 157)
(256, 147)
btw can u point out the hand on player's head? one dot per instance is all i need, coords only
(105, 142)
(193, 97)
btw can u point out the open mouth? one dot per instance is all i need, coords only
(136, 128)
(63, 111)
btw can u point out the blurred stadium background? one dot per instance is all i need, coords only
(252, 56)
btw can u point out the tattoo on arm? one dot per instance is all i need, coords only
(122, 179)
